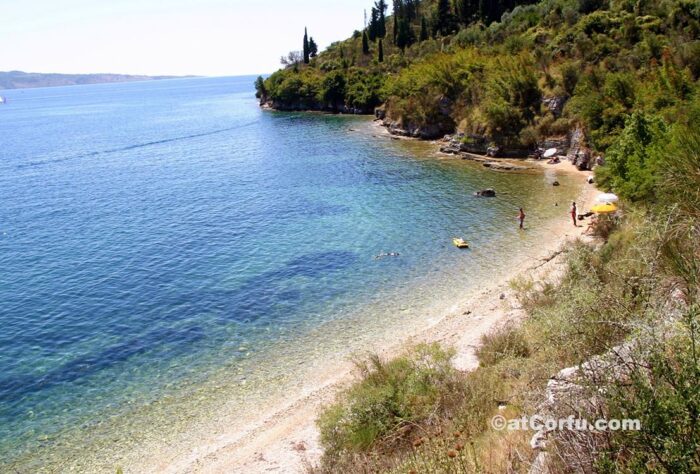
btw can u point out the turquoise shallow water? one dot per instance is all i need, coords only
(157, 236)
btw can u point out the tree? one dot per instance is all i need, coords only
(466, 11)
(313, 48)
(423, 30)
(306, 47)
(380, 52)
(490, 11)
(260, 91)
(633, 164)
(406, 9)
(569, 77)
(365, 43)
(373, 22)
(398, 8)
(442, 23)
(292, 58)
(333, 88)
(381, 18)
(404, 38)
(410, 9)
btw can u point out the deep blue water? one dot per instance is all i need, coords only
(149, 230)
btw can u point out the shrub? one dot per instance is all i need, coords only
(503, 343)
(663, 392)
(633, 164)
(471, 36)
(569, 77)
(332, 89)
(390, 396)
(529, 137)
(603, 226)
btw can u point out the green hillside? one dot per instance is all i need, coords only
(490, 69)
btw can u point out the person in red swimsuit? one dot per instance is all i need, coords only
(521, 217)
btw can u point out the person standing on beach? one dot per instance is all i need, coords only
(573, 213)
(521, 217)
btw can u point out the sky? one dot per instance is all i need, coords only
(167, 37)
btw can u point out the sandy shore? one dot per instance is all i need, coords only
(285, 439)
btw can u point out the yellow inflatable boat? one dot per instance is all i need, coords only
(460, 243)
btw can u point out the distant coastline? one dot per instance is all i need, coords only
(26, 80)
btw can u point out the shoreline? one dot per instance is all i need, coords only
(284, 437)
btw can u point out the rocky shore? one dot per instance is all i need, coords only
(571, 146)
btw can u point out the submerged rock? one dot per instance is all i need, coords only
(488, 192)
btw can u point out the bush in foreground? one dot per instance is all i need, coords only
(389, 400)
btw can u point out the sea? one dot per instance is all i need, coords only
(172, 255)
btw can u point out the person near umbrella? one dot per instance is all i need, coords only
(573, 213)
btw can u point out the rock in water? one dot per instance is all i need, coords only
(488, 192)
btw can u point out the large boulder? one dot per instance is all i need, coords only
(429, 131)
(582, 159)
(380, 113)
(493, 151)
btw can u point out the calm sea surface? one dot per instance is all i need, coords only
(168, 246)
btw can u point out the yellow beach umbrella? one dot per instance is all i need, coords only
(604, 208)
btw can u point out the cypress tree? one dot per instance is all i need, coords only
(443, 17)
(365, 43)
(423, 30)
(466, 11)
(401, 36)
(381, 18)
(380, 52)
(306, 47)
(490, 11)
(373, 21)
(405, 36)
(313, 47)
(410, 9)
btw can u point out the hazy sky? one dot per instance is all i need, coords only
(173, 37)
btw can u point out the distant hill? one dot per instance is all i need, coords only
(23, 80)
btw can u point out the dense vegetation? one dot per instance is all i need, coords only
(483, 67)
(627, 72)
